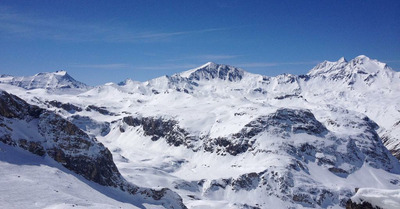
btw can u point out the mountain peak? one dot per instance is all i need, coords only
(46, 80)
(362, 57)
(61, 72)
(342, 59)
(359, 65)
(211, 70)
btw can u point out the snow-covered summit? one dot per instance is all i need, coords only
(47, 80)
(343, 68)
(212, 70)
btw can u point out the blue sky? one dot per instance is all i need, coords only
(109, 41)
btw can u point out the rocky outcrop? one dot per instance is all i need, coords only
(279, 184)
(282, 123)
(215, 71)
(70, 146)
(363, 205)
(101, 110)
(161, 128)
(13, 107)
(75, 150)
(65, 106)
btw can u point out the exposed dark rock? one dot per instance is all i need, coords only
(288, 96)
(72, 148)
(13, 107)
(363, 205)
(338, 171)
(260, 90)
(303, 199)
(246, 206)
(247, 182)
(101, 110)
(129, 120)
(159, 127)
(396, 149)
(213, 71)
(224, 145)
(31, 146)
(66, 106)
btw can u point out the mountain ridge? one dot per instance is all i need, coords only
(207, 71)
(50, 81)
(222, 137)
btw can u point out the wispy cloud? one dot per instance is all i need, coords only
(180, 67)
(124, 66)
(102, 66)
(36, 27)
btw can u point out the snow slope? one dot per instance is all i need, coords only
(31, 181)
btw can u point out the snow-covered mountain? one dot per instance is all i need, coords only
(50, 81)
(221, 137)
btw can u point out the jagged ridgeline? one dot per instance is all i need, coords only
(217, 136)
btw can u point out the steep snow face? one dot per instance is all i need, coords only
(225, 138)
(51, 81)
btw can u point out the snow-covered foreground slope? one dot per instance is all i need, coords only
(48, 135)
(224, 138)
(30, 181)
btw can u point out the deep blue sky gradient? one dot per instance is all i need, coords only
(109, 41)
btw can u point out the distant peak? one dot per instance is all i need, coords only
(47, 80)
(362, 57)
(58, 72)
(210, 63)
(61, 72)
(342, 59)
(341, 68)
(212, 70)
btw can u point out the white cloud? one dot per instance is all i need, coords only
(119, 66)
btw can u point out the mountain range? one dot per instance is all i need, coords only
(211, 137)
